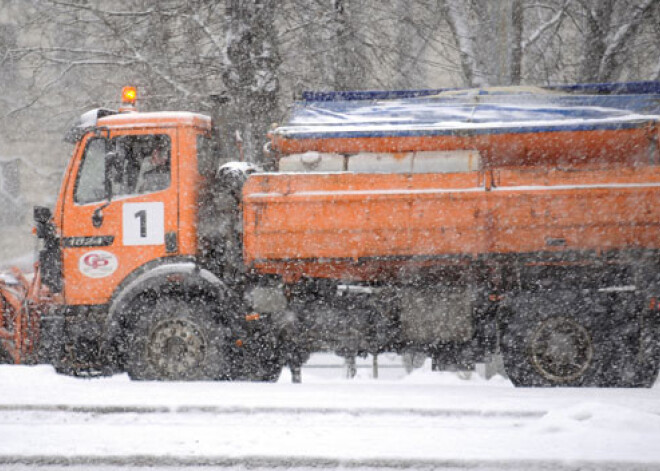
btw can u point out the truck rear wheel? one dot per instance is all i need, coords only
(562, 339)
(176, 338)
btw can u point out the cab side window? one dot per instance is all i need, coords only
(90, 187)
(142, 165)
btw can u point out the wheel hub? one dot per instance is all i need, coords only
(561, 349)
(176, 348)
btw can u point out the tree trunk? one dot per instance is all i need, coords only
(348, 70)
(457, 19)
(597, 20)
(250, 71)
(516, 38)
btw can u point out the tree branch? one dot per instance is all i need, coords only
(556, 19)
(620, 39)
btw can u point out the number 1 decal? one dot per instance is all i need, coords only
(143, 223)
(142, 215)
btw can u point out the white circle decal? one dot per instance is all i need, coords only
(97, 264)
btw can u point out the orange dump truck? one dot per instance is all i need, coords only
(455, 224)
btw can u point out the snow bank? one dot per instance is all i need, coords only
(422, 420)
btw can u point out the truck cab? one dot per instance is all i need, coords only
(129, 197)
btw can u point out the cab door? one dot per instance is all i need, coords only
(103, 241)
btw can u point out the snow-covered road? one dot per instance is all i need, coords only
(423, 420)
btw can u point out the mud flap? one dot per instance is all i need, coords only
(261, 355)
(50, 348)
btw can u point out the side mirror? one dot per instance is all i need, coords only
(42, 216)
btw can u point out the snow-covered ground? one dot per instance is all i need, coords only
(422, 420)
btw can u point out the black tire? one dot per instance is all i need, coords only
(567, 339)
(177, 338)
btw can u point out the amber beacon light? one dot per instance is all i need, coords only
(128, 98)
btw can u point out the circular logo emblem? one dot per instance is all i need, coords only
(97, 264)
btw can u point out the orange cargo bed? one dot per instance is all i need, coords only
(351, 226)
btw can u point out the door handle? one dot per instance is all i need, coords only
(97, 216)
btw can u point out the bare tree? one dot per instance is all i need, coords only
(409, 45)
(516, 41)
(459, 16)
(348, 67)
(488, 38)
(609, 29)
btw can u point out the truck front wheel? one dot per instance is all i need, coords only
(176, 337)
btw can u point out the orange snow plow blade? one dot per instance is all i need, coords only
(21, 306)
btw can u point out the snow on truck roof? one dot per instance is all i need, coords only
(156, 119)
(456, 111)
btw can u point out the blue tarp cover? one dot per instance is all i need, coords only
(457, 112)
